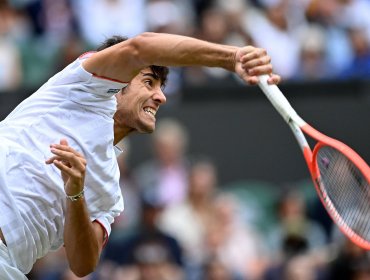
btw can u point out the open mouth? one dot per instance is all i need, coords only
(150, 111)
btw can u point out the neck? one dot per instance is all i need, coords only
(120, 133)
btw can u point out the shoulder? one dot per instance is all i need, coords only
(87, 54)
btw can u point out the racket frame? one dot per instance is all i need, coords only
(299, 127)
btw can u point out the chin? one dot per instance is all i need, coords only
(146, 129)
(151, 130)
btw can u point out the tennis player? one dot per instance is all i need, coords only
(58, 169)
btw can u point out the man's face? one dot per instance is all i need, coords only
(139, 102)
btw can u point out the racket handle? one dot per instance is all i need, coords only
(279, 101)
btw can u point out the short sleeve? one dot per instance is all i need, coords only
(106, 219)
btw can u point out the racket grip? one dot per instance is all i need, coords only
(279, 101)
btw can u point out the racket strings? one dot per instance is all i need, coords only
(345, 190)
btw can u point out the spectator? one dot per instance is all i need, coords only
(146, 250)
(313, 65)
(109, 17)
(212, 28)
(176, 17)
(52, 20)
(360, 66)
(354, 13)
(275, 34)
(338, 50)
(214, 269)
(10, 56)
(297, 262)
(189, 219)
(237, 246)
(219, 26)
(351, 262)
(304, 267)
(166, 174)
(295, 229)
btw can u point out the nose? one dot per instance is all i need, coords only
(159, 97)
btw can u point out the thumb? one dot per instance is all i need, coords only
(238, 55)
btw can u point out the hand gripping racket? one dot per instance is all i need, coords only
(341, 177)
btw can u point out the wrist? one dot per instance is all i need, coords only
(76, 196)
(234, 60)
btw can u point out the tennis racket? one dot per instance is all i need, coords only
(341, 177)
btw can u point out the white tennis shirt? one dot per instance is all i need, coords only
(75, 105)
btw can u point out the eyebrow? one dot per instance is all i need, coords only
(154, 76)
(148, 74)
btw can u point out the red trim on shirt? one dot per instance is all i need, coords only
(109, 79)
(106, 237)
(86, 54)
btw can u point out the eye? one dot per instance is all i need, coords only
(148, 82)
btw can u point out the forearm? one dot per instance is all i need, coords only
(124, 60)
(175, 50)
(80, 240)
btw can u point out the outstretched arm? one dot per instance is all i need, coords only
(82, 239)
(124, 60)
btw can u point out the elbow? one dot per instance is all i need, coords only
(144, 37)
(83, 270)
(140, 48)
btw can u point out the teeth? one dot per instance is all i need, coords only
(150, 111)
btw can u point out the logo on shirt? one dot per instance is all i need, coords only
(113, 90)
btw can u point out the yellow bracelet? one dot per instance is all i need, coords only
(77, 196)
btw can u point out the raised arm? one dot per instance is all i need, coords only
(124, 60)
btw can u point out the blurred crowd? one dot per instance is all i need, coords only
(307, 39)
(179, 223)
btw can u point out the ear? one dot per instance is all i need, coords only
(124, 89)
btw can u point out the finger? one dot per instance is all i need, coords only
(63, 142)
(274, 79)
(71, 158)
(260, 70)
(260, 61)
(67, 170)
(243, 51)
(256, 53)
(252, 80)
(51, 160)
(67, 149)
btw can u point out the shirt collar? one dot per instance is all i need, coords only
(117, 151)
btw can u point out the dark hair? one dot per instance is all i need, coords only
(160, 72)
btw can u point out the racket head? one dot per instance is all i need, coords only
(345, 185)
(342, 180)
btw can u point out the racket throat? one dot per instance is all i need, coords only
(307, 153)
(301, 139)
